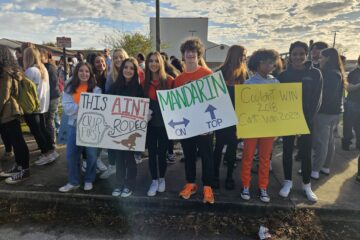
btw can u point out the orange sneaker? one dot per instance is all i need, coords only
(188, 190)
(208, 195)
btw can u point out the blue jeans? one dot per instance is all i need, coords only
(73, 153)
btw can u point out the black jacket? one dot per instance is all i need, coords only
(312, 82)
(137, 91)
(53, 81)
(354, 78)
(333, 90)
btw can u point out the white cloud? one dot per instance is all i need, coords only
(253, 23)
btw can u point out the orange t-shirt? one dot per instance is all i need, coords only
(80, 89)
(187, 77)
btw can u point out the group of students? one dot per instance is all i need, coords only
(323, 82)
(34, 65)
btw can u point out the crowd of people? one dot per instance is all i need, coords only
(319, 68)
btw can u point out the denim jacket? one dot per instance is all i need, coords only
(71, 108)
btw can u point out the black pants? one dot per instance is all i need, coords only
(12, 131)
(305, 142)
(36, 123)
(205, 145)
(226, 136)
(351, 121)
(157, 143)
(126, 169)
(171, 147)
(6, 141)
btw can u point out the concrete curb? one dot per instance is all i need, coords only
(169, 204)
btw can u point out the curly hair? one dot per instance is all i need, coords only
(262, 55)
(193, 44)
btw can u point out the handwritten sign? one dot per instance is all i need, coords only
(112, 122)
(269, 110)
(196, 108)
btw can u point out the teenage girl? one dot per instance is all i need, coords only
(262, 63)
(83, 81)
(127, 84)
(157, 140)
(234, 71)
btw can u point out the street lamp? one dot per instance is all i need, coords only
(221, 46)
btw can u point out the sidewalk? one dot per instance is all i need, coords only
(338, 193)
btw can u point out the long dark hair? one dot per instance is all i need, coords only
(121, 81)
(75, 81)
(234, 67)
(333, 62)
(148, 74)
(9, 64)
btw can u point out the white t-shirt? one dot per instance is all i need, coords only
(42, 87)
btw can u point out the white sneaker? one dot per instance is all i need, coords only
(54, 155)
(264, 197)
(286, 188)
(116, 192)
(110, 171)
(43, 160)
(245, 194)
(311, 196)
(325, 171)
(126, 192)
(153, 188)
(68, 187)
(161, 187)
(88, 186)
(100, 165)
(314, 175)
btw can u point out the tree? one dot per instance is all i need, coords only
(133, 43)
(50, 44)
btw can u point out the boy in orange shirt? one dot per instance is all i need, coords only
(192, 50)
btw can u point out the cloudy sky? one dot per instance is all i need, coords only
(251, 23)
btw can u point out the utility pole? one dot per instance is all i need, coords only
(158, 25)
(334, 38)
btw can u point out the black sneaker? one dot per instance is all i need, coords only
(357, 179)
(13, 170)
(18, 177)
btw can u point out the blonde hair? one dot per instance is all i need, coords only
(31, 58)
(114, 72)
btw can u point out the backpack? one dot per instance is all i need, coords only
(27, 96)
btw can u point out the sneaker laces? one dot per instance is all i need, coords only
(263, 193)
(246, 191)
(18, 176)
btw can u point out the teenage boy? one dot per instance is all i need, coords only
(192, 50)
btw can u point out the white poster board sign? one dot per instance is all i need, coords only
(197, 107)
(112, 122)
